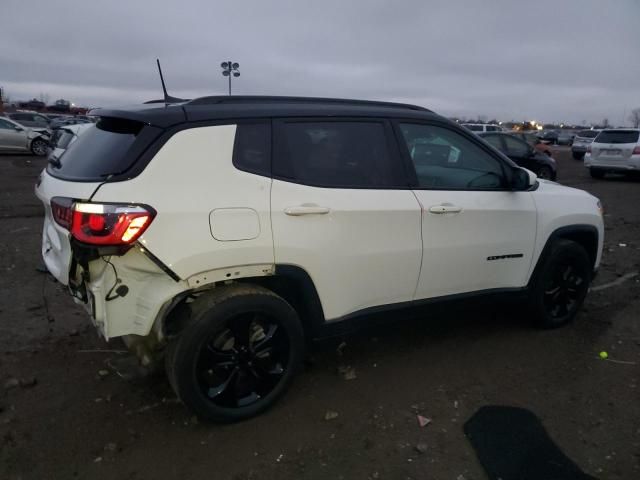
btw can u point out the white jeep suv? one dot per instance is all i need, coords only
(223, 232)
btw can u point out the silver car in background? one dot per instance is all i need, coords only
(18, 138)
(581, 142)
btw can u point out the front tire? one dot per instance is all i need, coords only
(39, 147)
(545, 173)
(596, 173)
(561, 285)
(238, 354)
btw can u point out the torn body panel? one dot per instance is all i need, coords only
(124, 294)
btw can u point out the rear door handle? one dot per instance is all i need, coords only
(445, 208)
(306, 210)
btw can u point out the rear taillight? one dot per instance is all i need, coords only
(102, 223)
(589, 149)
(62, 210)
(636, 151)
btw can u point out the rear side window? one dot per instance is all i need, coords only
(474, 128)
(252, 148)
(111, 148)
(588, 133)
(618, 136)
(338, 154)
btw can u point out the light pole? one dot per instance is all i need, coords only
(230, 69)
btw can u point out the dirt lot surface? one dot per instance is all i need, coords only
(65, 414)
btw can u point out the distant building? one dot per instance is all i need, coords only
(61, 105)
(33, 104)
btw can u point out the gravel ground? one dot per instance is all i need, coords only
(65, 414)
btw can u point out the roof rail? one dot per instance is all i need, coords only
(236, 99)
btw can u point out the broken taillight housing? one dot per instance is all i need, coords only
(102, 223)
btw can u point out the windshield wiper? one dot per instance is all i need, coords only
(55, 162)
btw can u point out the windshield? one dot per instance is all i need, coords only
(618, 136)
(111, 147)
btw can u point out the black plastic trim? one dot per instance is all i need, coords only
(564, 232)
(159, 263)
(310, 296)
(352, 321)
(322, 328)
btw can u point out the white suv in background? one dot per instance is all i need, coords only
(615, 150)
(482, 127)
(223, 232)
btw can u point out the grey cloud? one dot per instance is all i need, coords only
(553, 61)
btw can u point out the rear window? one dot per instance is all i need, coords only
(618, 136)
(61, 138)
(588, 133)
(111, 148)
(474, 128)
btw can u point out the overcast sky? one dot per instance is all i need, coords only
(545, 60)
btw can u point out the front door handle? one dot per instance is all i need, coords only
(306, 209)
(445, 208)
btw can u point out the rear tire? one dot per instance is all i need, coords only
(577, 155)
(596, 173)
(238, 354)
(39, 147)
(561, 285)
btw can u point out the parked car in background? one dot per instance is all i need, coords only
(30, 119)
(63, 137)
(523, 154)
(615, 150)
(482, 127)
(533, 140)
(565, 138)
(581, 142)
(549, 136)
(15, 137)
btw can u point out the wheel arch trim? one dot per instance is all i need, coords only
(584, 234)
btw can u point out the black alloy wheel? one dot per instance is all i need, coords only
(560, 284)
(564, 290)
(244, 361)
(237, 354)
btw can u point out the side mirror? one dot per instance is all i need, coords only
(18, 129)
(523, 179)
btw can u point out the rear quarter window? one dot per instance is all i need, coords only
(252, 148)
(109, 149)
(618, 136)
